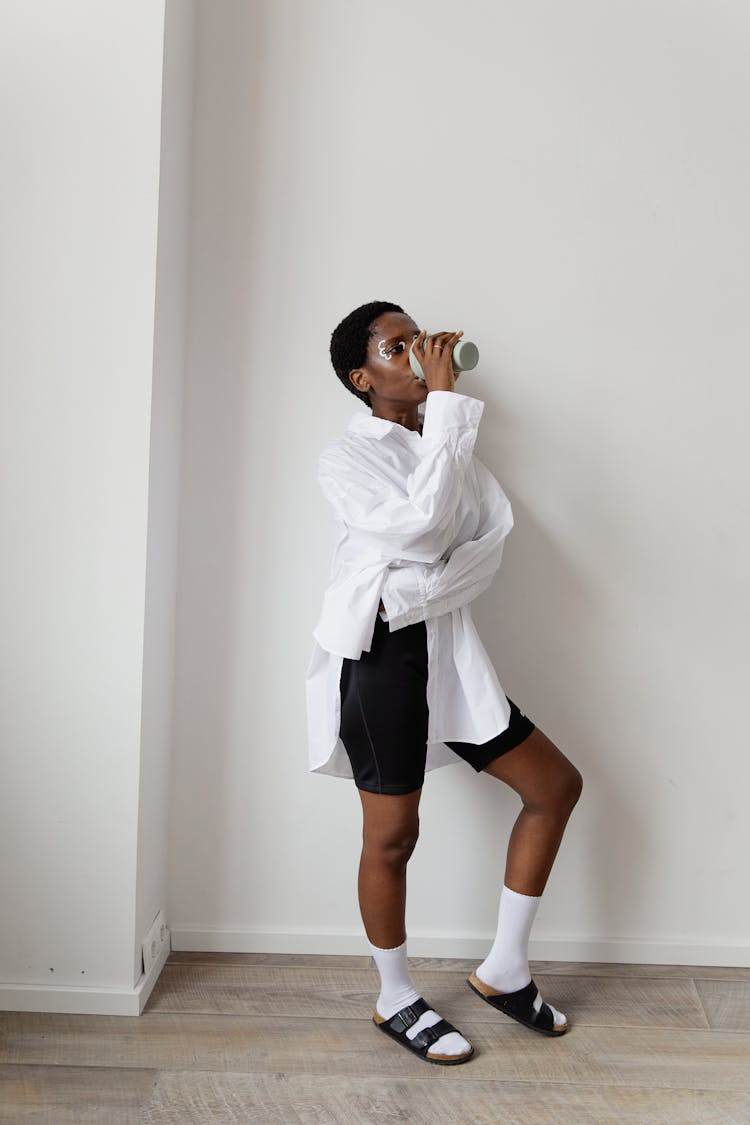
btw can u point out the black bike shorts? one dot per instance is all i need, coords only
(384, 714)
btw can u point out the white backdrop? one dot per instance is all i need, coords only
(569, 185)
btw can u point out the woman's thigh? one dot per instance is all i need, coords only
(539, 772)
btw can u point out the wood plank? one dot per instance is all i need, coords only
(613, 969)
(651, 1057)
(608, 1002)
(291, 1099)
(466, 965)
(592, 968)
(726, 1003)
(628, 1002)
(266, 990)
(327, 960)
(303, 991)
(78, 1095)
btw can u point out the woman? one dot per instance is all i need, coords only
(399, 682)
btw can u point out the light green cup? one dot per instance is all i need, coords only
(465, 358)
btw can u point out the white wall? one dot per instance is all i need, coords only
(567, 183)
(82, 461)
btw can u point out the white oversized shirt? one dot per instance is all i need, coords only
(420, 523)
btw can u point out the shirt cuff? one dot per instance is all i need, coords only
(404, 594)
(448, 410)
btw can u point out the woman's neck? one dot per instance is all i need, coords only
(404, 416)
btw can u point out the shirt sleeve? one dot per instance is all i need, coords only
(415, 521)
(417, 591)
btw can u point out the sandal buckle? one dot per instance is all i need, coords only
(405, 1018)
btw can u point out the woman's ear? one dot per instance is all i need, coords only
(360, 379)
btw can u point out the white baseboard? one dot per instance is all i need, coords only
(610, 950)
(74, 1000)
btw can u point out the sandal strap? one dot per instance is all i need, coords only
(429, 1035)
(521, 1004)
(408, 1016)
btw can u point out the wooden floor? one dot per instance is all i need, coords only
(266, 1038)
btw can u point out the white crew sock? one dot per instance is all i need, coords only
(397, 990)
(506, 966)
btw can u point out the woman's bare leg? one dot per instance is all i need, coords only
(390, 830)
(549, 786)
(389, 835)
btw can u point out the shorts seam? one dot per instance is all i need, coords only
(369, 736)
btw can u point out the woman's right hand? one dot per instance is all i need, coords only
(436, 359)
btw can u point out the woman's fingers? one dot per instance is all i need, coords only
(440, 340)
(436, 352)
(436, 360)
(446, 341)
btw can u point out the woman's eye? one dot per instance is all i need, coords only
(398, 347)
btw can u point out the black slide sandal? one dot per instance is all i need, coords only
(420, 1045)
(519, 1005)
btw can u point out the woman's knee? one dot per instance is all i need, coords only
(390, 826)
(574, 786)
(391, 844)
(559, 792)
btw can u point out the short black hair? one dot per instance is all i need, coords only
(349, 342)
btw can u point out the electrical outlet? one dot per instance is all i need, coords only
(155, 941)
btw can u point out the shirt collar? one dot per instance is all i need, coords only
(362, 423)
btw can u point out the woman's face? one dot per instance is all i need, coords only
(386, 375)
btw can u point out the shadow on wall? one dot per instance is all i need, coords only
(561, 671)
(216, 463)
